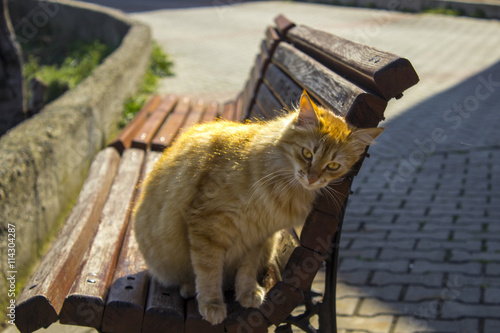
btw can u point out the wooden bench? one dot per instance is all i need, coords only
(94, 274)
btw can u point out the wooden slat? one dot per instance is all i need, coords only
(283, 24)
(240, 319)
(318, 231)
(164, 309)
(286, 90)
(272, 40)
(194, 321)
(125, 305)
(359, 107)
(280, 302)
(256, 114)
(171, 126)
(228, 111)
(382, 72)
(39, 305)
(143, 137)
(194, 116)
(302, 267)
(268, 103)
(124, 139)
(211, 112)
(238, 114)
(84, 304)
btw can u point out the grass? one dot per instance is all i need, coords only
(160, 66)
(66, 71)
(443, 11)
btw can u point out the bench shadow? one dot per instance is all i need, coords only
(399, 250)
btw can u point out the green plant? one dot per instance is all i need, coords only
(443, 11)
(68, 69)
(160, 66)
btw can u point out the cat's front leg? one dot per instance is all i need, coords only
(248, 291)
(207, 259)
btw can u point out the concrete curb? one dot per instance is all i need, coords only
(44, 160)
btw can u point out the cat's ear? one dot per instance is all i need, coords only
(362, 137)
(307, 112)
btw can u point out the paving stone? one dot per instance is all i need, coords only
(357, 277)
(470, 245)
(457, 255)
(446, 294)
(426, 279)
(346, 306)
(377, 324)
(491, 326)
(476, 235)
(492, 295)
(460, 279)
(393, 266)
(421, 266)
(493, 269)
(424, 309)
(390, 292)
(375, 243)
(441, 235)
(457, 310)
(407, 324)
(437, 255)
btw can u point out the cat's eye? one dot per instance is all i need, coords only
(333, 166)
(307, 153)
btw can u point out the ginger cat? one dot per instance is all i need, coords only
(214, 201)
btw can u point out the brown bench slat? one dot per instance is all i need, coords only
(84, 304)
(280, 302)
(228, 111)
(272, 39)
(269, 105)
(318, 231)
(164, 309)
(283, 24)
(126, 302)
(385, 73)
(194, 321)
(143, 137)
(256, 114)
(124, 139)
(194, 115)
(211, 112)
(285, 89)
(171, 126)
(302, 267)
(40, 303)
(238, 114)
(359, 107)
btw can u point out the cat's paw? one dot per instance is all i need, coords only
(214, 312)
(252, 298)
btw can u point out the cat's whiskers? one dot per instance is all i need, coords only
(334, 195)
(267, 180)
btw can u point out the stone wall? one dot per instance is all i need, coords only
(45, 159)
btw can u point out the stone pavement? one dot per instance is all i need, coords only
(421, 238)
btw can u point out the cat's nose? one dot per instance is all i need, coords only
(312, 179)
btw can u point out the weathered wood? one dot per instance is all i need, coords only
(332, 203)
(280, 302)
(285, 89)
(124, 139)
(241, 320)
(272, 40)
(228, 111)
(256, 114)
(283, 24)
(268, 103)
(287, 242)
(164, 309)
(382, 72)
(125, 304)
(195, 323)
(302, 267)
(84, 304)
(40, 303)
(318, 231)
(145, 134)
(194, 115)
(211, 112)
(238, 114)
(172, 125)
(360, 108)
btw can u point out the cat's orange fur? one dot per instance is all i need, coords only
(216, 198)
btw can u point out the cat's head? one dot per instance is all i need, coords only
(321, 146)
